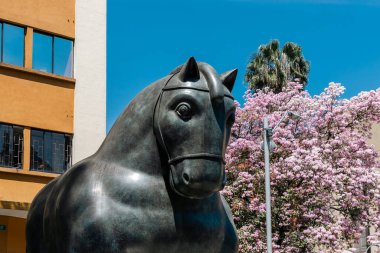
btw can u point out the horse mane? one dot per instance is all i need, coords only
(131, 139)
(215, 86)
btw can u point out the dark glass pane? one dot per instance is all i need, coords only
(50, 152)
(68, 145)
(11, 146)
(37, 150)
(47, 151)
(18, 141)
(42, 52)
(63, 57)
(58, 152)
(5, 144)
(2, 148)
(13, 44)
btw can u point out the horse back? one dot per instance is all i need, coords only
(34, 225)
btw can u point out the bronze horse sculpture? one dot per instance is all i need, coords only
(153, 185)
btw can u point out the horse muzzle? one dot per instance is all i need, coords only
(197, 176)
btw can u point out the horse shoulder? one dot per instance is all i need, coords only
(133, 205)
(140, 200)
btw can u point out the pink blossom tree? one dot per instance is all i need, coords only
(324, 183)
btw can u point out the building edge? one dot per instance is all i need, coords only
(90, 75)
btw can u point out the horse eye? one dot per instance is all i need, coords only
(184, 110)
(231, 120)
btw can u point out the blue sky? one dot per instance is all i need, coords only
(147, 39)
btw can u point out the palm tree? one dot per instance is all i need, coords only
(272, 68)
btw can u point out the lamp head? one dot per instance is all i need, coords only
(294, 116)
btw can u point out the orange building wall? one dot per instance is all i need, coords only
(3, 234)
(36, 101)
(54, 16)
(13, 239)
(20, 188)
(32, 99)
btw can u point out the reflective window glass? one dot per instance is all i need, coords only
(50, 152)
(42, 52)
(63, 57)
(1, 42)
(13, 44)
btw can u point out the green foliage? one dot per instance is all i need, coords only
(272, 68)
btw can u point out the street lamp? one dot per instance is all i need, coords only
(376, 244)
(269, 145)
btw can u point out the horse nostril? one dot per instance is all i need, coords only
(186, 178)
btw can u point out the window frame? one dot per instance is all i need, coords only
(52, 50)
(69, 155)
(12, 149)
(53, 36)
(2, 43)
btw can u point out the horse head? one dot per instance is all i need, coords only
(192, 121)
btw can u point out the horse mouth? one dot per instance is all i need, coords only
(183, 186)
(172, 185)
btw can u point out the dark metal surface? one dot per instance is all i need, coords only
(153, 185)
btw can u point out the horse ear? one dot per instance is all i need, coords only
(189, 71)
(228, 78)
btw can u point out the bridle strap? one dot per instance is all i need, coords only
(195, 156)
(157, 108)
(182, 157)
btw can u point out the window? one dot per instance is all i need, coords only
(63, 57)
(11, 146)
(52, 54)
(50, 152)
(12, 44)
(42, 52)
(1, 42)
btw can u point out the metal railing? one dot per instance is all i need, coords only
(11, 146)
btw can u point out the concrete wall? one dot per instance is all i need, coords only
(376, 142)
(376, 137)
(90, 75)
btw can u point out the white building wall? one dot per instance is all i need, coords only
(90, 75)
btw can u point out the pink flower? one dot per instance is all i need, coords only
(324, 184)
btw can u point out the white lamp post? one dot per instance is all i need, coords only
(376, 244)
(269, 145)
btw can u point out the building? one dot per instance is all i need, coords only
(362, 245)
(53, 94)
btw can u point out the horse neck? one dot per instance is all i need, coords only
(131, 142)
